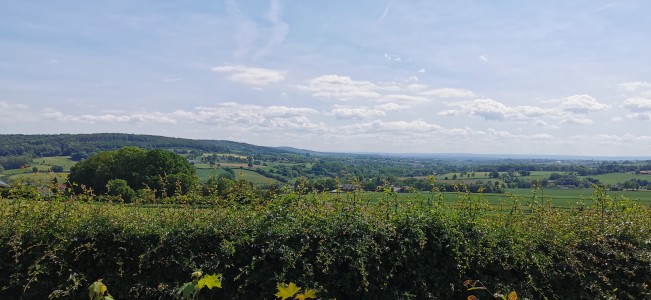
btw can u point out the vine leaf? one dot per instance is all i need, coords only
(287, 291)
(308, 294)
(210, 281)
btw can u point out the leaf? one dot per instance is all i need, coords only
(466, 283)
(108, 297)
(96, 290)
(477, 288)
(287, 291)
(513, 295)
(187, 289)
(309, 294)
(210, 281)
(472, 297)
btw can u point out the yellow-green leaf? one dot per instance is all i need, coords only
(513, 295)
(96, 290)
(287, 291)
(308, 294)
(210, 281)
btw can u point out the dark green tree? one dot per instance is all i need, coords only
(161, 170)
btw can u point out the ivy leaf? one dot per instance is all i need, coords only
(309, 294)
(108, 297)
(210, 281)
(187, 289)
(287, 291)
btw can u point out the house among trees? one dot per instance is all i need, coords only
(347, 188)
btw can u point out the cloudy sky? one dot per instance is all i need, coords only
(501, 77)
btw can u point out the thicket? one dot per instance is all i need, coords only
(54, 245)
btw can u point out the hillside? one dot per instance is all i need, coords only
(71, 144)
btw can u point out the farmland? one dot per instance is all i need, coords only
(577, 230)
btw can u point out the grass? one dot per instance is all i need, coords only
(554, 197)
(65, 161)
(253, 177)
(614, 178)
(39, 176)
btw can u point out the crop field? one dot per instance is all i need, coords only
(63, 161)
(558, 198)
(206, 173)
(253, 177)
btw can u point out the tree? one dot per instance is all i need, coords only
(157, 169)
(35, 169)
(57, 169)
(120, 188)
(494, 174)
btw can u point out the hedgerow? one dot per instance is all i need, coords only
(341, 245)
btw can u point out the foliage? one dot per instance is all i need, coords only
(341, 244)
(99, 291)
(191, 290)
(156, 169)
(291, 290)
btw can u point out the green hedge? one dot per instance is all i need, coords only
(338, 245)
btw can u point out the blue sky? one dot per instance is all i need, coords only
(510, 77)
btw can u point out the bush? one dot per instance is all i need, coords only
(339, 244)
(120, 188)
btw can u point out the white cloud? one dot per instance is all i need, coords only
(640, 116)
(280, 28)
(341, 88)
(391, 107)
(408, 99)
(13, 112)
(637, 104)
(577, 120)
(581, 104)
(445, 93)
(634, 86)
(362, 112)
(356, 112)
(490, 109)
(391, 57)
(378, 126)
(230, 115)
(250, 75)
(483, 58)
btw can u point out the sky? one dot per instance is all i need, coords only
(490, 77)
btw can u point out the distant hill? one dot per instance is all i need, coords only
(71, 144)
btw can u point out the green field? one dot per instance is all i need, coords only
(555, 197)
(63, 161)
(206, 173)
(253, 177)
